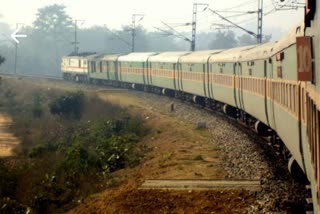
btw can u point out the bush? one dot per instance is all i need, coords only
(8, 181)
(69, 106)
(37, 108)
(8, 206)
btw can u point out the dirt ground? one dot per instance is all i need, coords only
(174, 149)
(8, 142)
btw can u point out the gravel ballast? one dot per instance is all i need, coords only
(245, 155)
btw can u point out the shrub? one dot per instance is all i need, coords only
(69, 106)
(7, 181)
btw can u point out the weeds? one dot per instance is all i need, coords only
(69, 150)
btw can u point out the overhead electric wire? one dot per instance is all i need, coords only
(240, 5)
(231, 22)
(119, 37)
(180, 35)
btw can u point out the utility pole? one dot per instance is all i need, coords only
(260, 24)
(194, 24)
(16, 52)
(134, 29)
(75, 42)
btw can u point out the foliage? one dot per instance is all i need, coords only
(37, 108)
(69, 106)
(246, 39)
(53, 20)
(2, 59)
(8, 206)
(65, 160)
(223, 40)
(7, 181)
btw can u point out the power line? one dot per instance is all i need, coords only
(119, 37)
(179, 35)
(234, 24)
(241, 5)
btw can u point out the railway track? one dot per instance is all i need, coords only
(31, 76)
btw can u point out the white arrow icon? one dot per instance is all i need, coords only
(14, 35)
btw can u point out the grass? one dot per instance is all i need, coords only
(167, 156)
(70, 143)
(198, 157)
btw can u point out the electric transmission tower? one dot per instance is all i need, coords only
(133, 34)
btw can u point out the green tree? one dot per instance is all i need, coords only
(2, 59)
(246, 39)
(53, 20)
(223, 40)
(266, 38)
(49, 39)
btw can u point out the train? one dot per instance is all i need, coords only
(273, 88)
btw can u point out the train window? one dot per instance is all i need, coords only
(79, 63)
(280, 56)
(310, 9)
(279, 71)
(100, 65)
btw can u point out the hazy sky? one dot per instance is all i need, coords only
(119, 12)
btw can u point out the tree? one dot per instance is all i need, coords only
(246, 39)
(53, 20)
(2, 59)
(223, 40)
(50, 39)
(266, 38)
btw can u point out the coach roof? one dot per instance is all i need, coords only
(136, 57)
(289, 39)
(258, 52)
(230, 55)
(171, 57)
(198, 56)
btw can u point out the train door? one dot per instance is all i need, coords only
(116, 70)
(175, 76)
(209, 81)
(205, 79)
(238, 85)
(270, 86)
(119, 73)
(107, 69)
(180, 80)
(178, 77)
(145, 73)
(149, 72)
(265, 85)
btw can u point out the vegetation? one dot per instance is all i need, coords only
(71, 143)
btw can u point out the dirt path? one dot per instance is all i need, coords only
(8, 142)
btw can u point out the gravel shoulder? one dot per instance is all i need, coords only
(244, 155)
